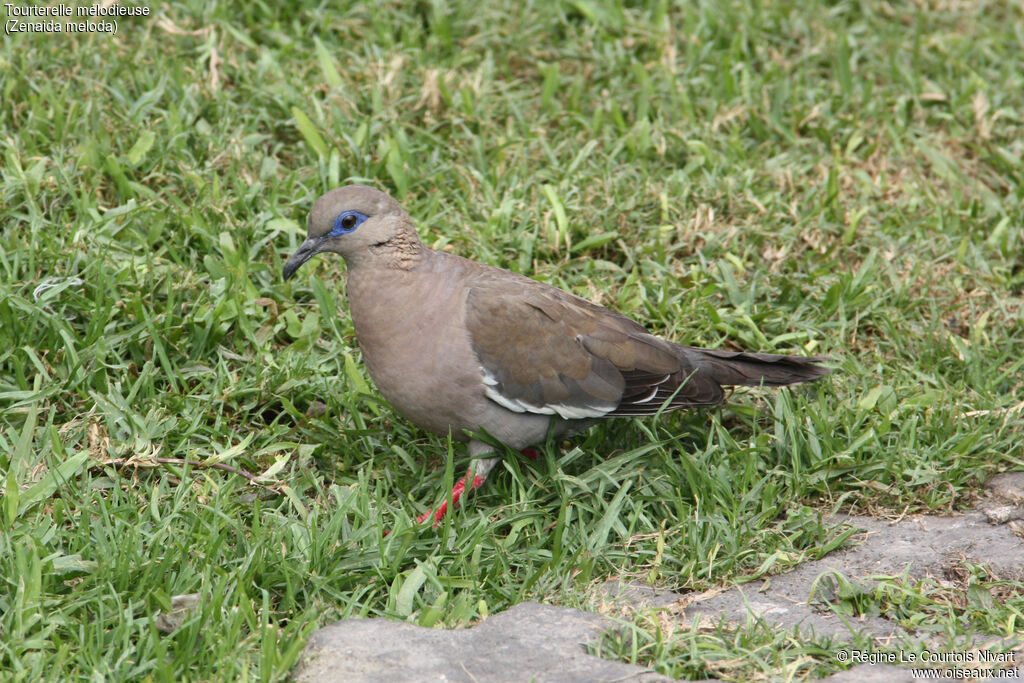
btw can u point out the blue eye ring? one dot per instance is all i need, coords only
(346, 222)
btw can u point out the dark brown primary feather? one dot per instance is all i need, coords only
(741, 368)
(545, 350)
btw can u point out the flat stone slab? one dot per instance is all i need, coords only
(919, 546)
(527, 642)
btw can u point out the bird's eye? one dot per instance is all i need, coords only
(346, 223)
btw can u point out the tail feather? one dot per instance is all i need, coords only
(738, 368)
(704, 372)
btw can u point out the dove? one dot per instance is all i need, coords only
(464, 348)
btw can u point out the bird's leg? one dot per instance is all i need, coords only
(483, 468)
(476, 475)
(531, 453)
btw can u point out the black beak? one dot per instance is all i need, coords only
(306, 251)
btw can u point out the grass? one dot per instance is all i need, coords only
(841, 178)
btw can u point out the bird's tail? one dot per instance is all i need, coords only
(738, 368)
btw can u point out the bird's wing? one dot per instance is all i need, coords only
(543, 350)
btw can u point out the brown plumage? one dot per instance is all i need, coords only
(462, 347)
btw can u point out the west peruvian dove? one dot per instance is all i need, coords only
(462, 347)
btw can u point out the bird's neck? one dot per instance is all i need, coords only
(401, 251)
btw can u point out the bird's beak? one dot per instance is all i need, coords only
(306, 251)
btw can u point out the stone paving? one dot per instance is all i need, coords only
(534, 642)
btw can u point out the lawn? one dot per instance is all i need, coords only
(841, 178)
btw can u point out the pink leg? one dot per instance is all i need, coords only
(457, 491)
(483, 468)
(531, 453)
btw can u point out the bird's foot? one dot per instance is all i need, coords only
(531, 453)
(457, 491)
(475, 477)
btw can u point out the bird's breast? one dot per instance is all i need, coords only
(411, 331)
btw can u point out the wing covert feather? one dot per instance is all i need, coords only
(543, 350)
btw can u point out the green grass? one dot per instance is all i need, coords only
(841, 178)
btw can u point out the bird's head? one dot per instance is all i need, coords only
(360, 223)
